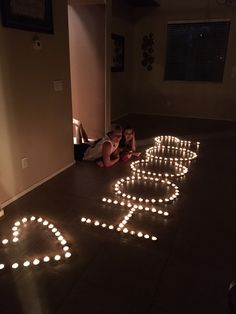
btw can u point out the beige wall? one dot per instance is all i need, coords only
(122, 24)
(194, 99)
(87, 59)
(35, 121)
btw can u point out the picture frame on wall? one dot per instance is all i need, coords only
(118, 46)
(31, 15)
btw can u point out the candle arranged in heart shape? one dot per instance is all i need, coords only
(174, 153)
(44, 224)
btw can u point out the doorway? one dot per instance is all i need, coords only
(88, 29)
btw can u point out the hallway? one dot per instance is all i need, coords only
(186, 271)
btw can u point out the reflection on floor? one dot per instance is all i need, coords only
(138, 191)
(18, 230)
(187, 270)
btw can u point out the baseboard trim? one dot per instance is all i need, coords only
(180, 116)
(172, 116)
(32, 187)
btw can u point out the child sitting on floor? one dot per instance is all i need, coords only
(127, 144)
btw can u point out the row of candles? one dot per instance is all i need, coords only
(179, 146)
(186, 154)
(120, 183)
(137, 168)
(128, 204)
(159, 140)
(133, 202)
(121, 227)
(16, 230)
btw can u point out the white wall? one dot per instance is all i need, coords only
(152, 94)
(121, 82)
(137, 90)
(35, 121)
(87, 63)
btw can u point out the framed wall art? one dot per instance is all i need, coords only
(31, 15)
(118, 46)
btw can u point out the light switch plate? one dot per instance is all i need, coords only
(58, 85)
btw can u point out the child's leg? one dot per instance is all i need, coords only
(79, 150)
(83, 134)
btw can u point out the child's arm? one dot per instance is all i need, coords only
(106, 155)
(134, 153)
(133, 144)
